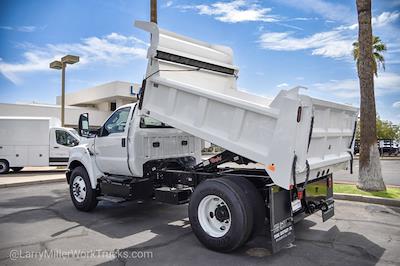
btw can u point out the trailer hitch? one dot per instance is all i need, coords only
(313, 206)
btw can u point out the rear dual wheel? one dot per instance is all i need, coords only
(223, 213)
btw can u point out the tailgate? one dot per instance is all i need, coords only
(329, 145)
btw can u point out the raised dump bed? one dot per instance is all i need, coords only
(191, 85)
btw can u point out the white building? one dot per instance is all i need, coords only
(98, 101)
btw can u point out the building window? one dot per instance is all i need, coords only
(113, 106)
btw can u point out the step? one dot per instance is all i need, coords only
(118, 178)
(111, 198)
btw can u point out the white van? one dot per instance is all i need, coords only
(34, 141)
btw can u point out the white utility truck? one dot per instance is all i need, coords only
(34, 141)
(152, 149)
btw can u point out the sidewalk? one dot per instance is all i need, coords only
(32, 175)
(383, 157)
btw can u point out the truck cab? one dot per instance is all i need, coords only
(126, 142)
(61, 141)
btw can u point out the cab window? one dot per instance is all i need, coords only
(117, 122)
(66, 139)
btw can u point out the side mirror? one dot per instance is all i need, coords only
(83, 128)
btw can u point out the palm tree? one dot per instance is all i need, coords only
(378, 48)
(370, 173)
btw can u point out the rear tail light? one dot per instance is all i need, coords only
(300, 195)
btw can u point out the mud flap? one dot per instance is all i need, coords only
(280, 218)
(330, 211)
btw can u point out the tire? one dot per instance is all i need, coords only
(16, 169)
(257, 203)
(205, 222)
(85, 197)
(4, 167)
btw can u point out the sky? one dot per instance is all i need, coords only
(277, 44)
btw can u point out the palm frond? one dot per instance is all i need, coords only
(378, 59)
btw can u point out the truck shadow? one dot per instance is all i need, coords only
(172, 240)
(312, 247)
(33, 173)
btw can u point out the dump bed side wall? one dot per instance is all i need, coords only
(206, 104)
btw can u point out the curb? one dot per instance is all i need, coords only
(382, 158)
(367, 199)
(36, 182)
(355, 183)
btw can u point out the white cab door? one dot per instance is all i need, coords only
(110, 145)
(61, 141)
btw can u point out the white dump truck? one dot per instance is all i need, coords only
(152, 149)
(34, 141)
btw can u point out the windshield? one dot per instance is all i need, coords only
(65, 138)
(148, 122)
(74, 132)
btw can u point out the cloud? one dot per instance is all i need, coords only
(22, 28)
(111, 49)
(282, 85)
(382, 20)
(330, 11)
(396, 104)
(385, 83)
(385, 18)
(234, 11)
(168, 4)
(303, 19)
(336, 43)
(328, 44)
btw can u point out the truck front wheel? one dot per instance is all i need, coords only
(82, 194)
(4, 167)
(220, 214)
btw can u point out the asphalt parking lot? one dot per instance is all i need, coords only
(40, 218)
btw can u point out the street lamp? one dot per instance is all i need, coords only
(68, 59)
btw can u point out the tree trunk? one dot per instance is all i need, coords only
(370, 174)
(153, 11)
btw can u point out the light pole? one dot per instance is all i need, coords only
(153, 11)
(68, 59)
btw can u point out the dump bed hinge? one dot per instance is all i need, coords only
(221, 158)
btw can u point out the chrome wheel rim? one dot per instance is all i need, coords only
(79, 189)
(214, 216)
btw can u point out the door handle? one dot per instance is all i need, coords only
(123, 142)
(56, 147)
(156, 144)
